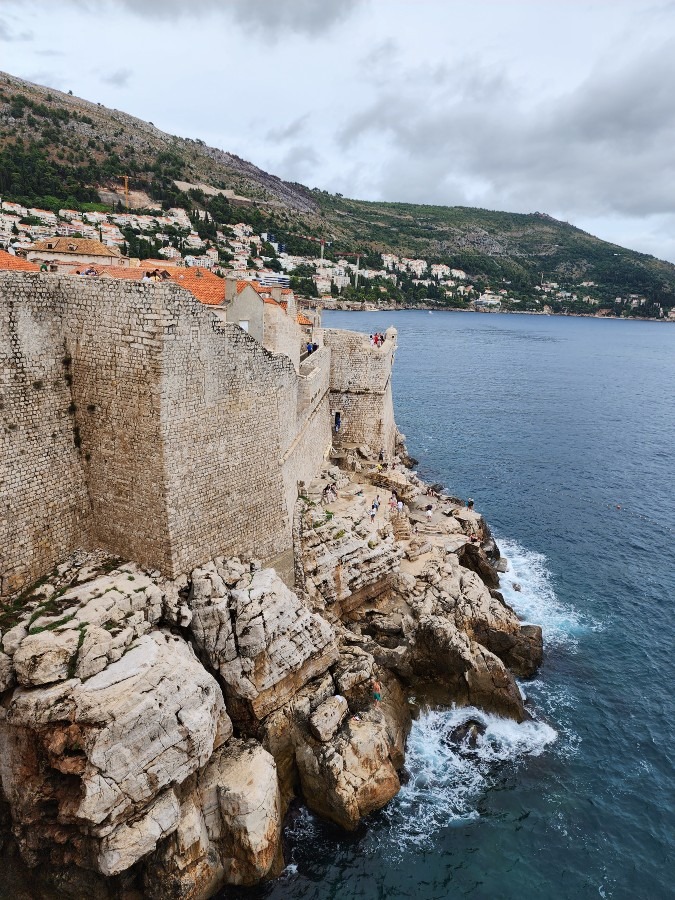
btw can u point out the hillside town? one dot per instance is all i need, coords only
(86, 242)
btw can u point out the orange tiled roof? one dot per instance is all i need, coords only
(204, 285)
(302, 320)
(87, 246)
(15, 263)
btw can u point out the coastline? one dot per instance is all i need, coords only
(357, 307)
(410, 600)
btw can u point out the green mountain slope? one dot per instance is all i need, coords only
(57, 149)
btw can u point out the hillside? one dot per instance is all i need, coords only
(57, 149)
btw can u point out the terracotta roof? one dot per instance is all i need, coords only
(207, 287)
(257, 287)
(86, 246)
(204, 285)
(16, 263)
(302, 320)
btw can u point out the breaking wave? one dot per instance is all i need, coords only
(449, 771)
(536, 601)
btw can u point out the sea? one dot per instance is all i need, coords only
(562, 430)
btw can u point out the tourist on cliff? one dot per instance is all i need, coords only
(373, 512)
(377, 691)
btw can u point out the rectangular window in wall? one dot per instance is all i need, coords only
(243, 324)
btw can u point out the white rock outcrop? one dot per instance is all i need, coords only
(350, 776)
(260, 637)
(129, 735)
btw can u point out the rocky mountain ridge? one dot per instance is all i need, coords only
(67, 147)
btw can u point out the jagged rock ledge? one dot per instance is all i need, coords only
(154, 732)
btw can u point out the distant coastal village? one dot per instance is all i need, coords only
(140, 244)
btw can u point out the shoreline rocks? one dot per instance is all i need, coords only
(153, 732)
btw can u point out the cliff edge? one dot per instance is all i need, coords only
(155, 730)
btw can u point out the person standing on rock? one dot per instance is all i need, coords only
(373, 511)
(377, 691)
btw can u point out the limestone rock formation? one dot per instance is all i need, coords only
(106, 755)
(229, 827)
(120, 688)
(261, 639)
(327, 718)
(350, 776)
(345, 564)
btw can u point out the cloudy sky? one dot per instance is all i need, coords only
(561, 106)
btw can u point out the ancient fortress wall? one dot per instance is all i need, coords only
(282, 334)
(133, 419)
(360, 389)
(228, 410)
(44, 503)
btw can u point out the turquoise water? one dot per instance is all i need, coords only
(562, 430)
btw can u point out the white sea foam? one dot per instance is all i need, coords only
(447, 778)
(536, 601)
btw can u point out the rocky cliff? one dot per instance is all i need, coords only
(154, 732)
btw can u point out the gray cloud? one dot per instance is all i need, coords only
(467, 137)
(308, 17)
(9, 36)
(267, 17)
(290, 131)
(119, 78)
(299, 163)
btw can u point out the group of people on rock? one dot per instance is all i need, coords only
(395, 504)
(377, 339)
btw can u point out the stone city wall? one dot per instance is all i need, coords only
(44, 503)
(228, 413)
(356, 366)
(360, 390)
(133, 420)
(282, 333)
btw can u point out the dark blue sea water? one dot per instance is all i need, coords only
(563, 432)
